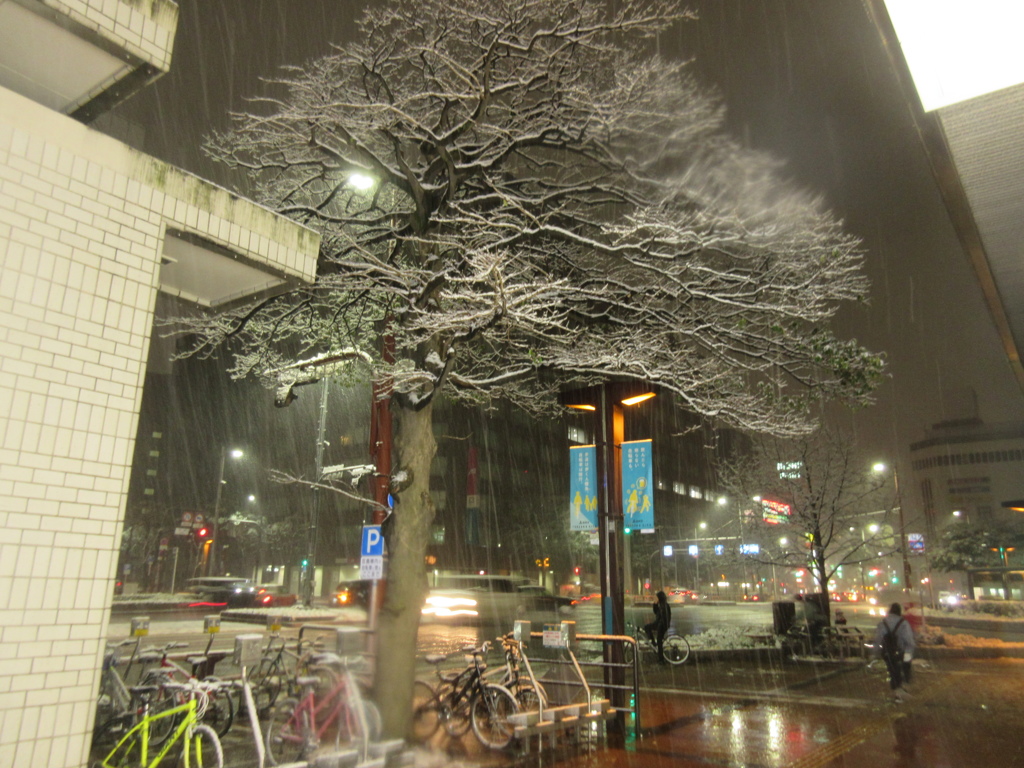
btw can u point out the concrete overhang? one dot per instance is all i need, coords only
(960, 70)
(82, 62)
(202, 272)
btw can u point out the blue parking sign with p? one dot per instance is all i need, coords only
(373, 542)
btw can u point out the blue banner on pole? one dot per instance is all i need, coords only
(637, 485)
(582, 488)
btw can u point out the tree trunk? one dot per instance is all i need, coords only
(407, 535)
(819, 564)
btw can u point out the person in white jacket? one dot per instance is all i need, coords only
(894, 642)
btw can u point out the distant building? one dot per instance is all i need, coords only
(965, 469)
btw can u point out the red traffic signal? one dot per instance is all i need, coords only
(203, 533)
(576, 570)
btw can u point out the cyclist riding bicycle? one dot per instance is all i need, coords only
(660, 625)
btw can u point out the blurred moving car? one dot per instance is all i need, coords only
(540, 598)
(473, 598)
(949, 600)
(234, 592)
(352, 593)
(681, 595)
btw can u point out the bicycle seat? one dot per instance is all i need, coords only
(194, 660)
(304, 681)
(434, 658)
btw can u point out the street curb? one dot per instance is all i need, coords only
(764, 653)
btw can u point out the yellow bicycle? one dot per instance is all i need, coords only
(201, 747)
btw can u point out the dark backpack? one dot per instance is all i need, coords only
(890, 647)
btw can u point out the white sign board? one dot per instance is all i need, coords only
(371, 568)
(552, 637)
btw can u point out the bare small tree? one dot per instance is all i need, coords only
(551, 204)
(818, 490)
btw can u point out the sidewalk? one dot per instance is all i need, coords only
(962, 713)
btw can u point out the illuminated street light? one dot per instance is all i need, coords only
(211, 563)
(360, 181)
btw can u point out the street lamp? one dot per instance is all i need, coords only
(872, 529)
(607, 403)
(211, 563)
(696, 558)
(880, 467)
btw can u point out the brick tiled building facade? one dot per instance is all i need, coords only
(86, 226)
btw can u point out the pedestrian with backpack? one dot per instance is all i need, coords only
(894, 642)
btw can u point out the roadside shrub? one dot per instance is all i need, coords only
(1003, 608)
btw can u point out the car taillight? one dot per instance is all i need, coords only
(267, 599)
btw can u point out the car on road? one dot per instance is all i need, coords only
(949, 600)
(352, 593)
(234, 592)
(483, 599)
(540, 598)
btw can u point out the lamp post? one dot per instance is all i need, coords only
(308, 564)
(696, 558)
(872, 529)
(665, 551)
(607, 403)
(211, 562)
(881, 467)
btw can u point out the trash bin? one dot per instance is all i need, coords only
(783, 616)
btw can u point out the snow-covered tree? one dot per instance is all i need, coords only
(822, 497)
(551, 204)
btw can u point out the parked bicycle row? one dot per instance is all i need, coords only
(152, 706)
(159, 702)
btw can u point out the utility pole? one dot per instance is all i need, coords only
(309, 566)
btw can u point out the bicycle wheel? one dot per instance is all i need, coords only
(266, 683)
(677, 649)
(426, 715)
(287, 733)
(205, 747)
(220, 710)
(111, 731)
(374, 724)
(454, 716)
(629, 651)
(492, 708)
(530, 697)
(165, 699)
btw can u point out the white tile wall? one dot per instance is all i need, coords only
(81, 226)
(145, 29)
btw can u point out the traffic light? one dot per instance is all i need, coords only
(202, 534)
(576, 570)
(305, 562)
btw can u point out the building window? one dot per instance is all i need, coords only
(578, 435)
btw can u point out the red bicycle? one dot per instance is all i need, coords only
(331, 705)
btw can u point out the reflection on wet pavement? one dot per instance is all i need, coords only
(961, 714)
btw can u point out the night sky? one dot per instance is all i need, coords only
(806, 80)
